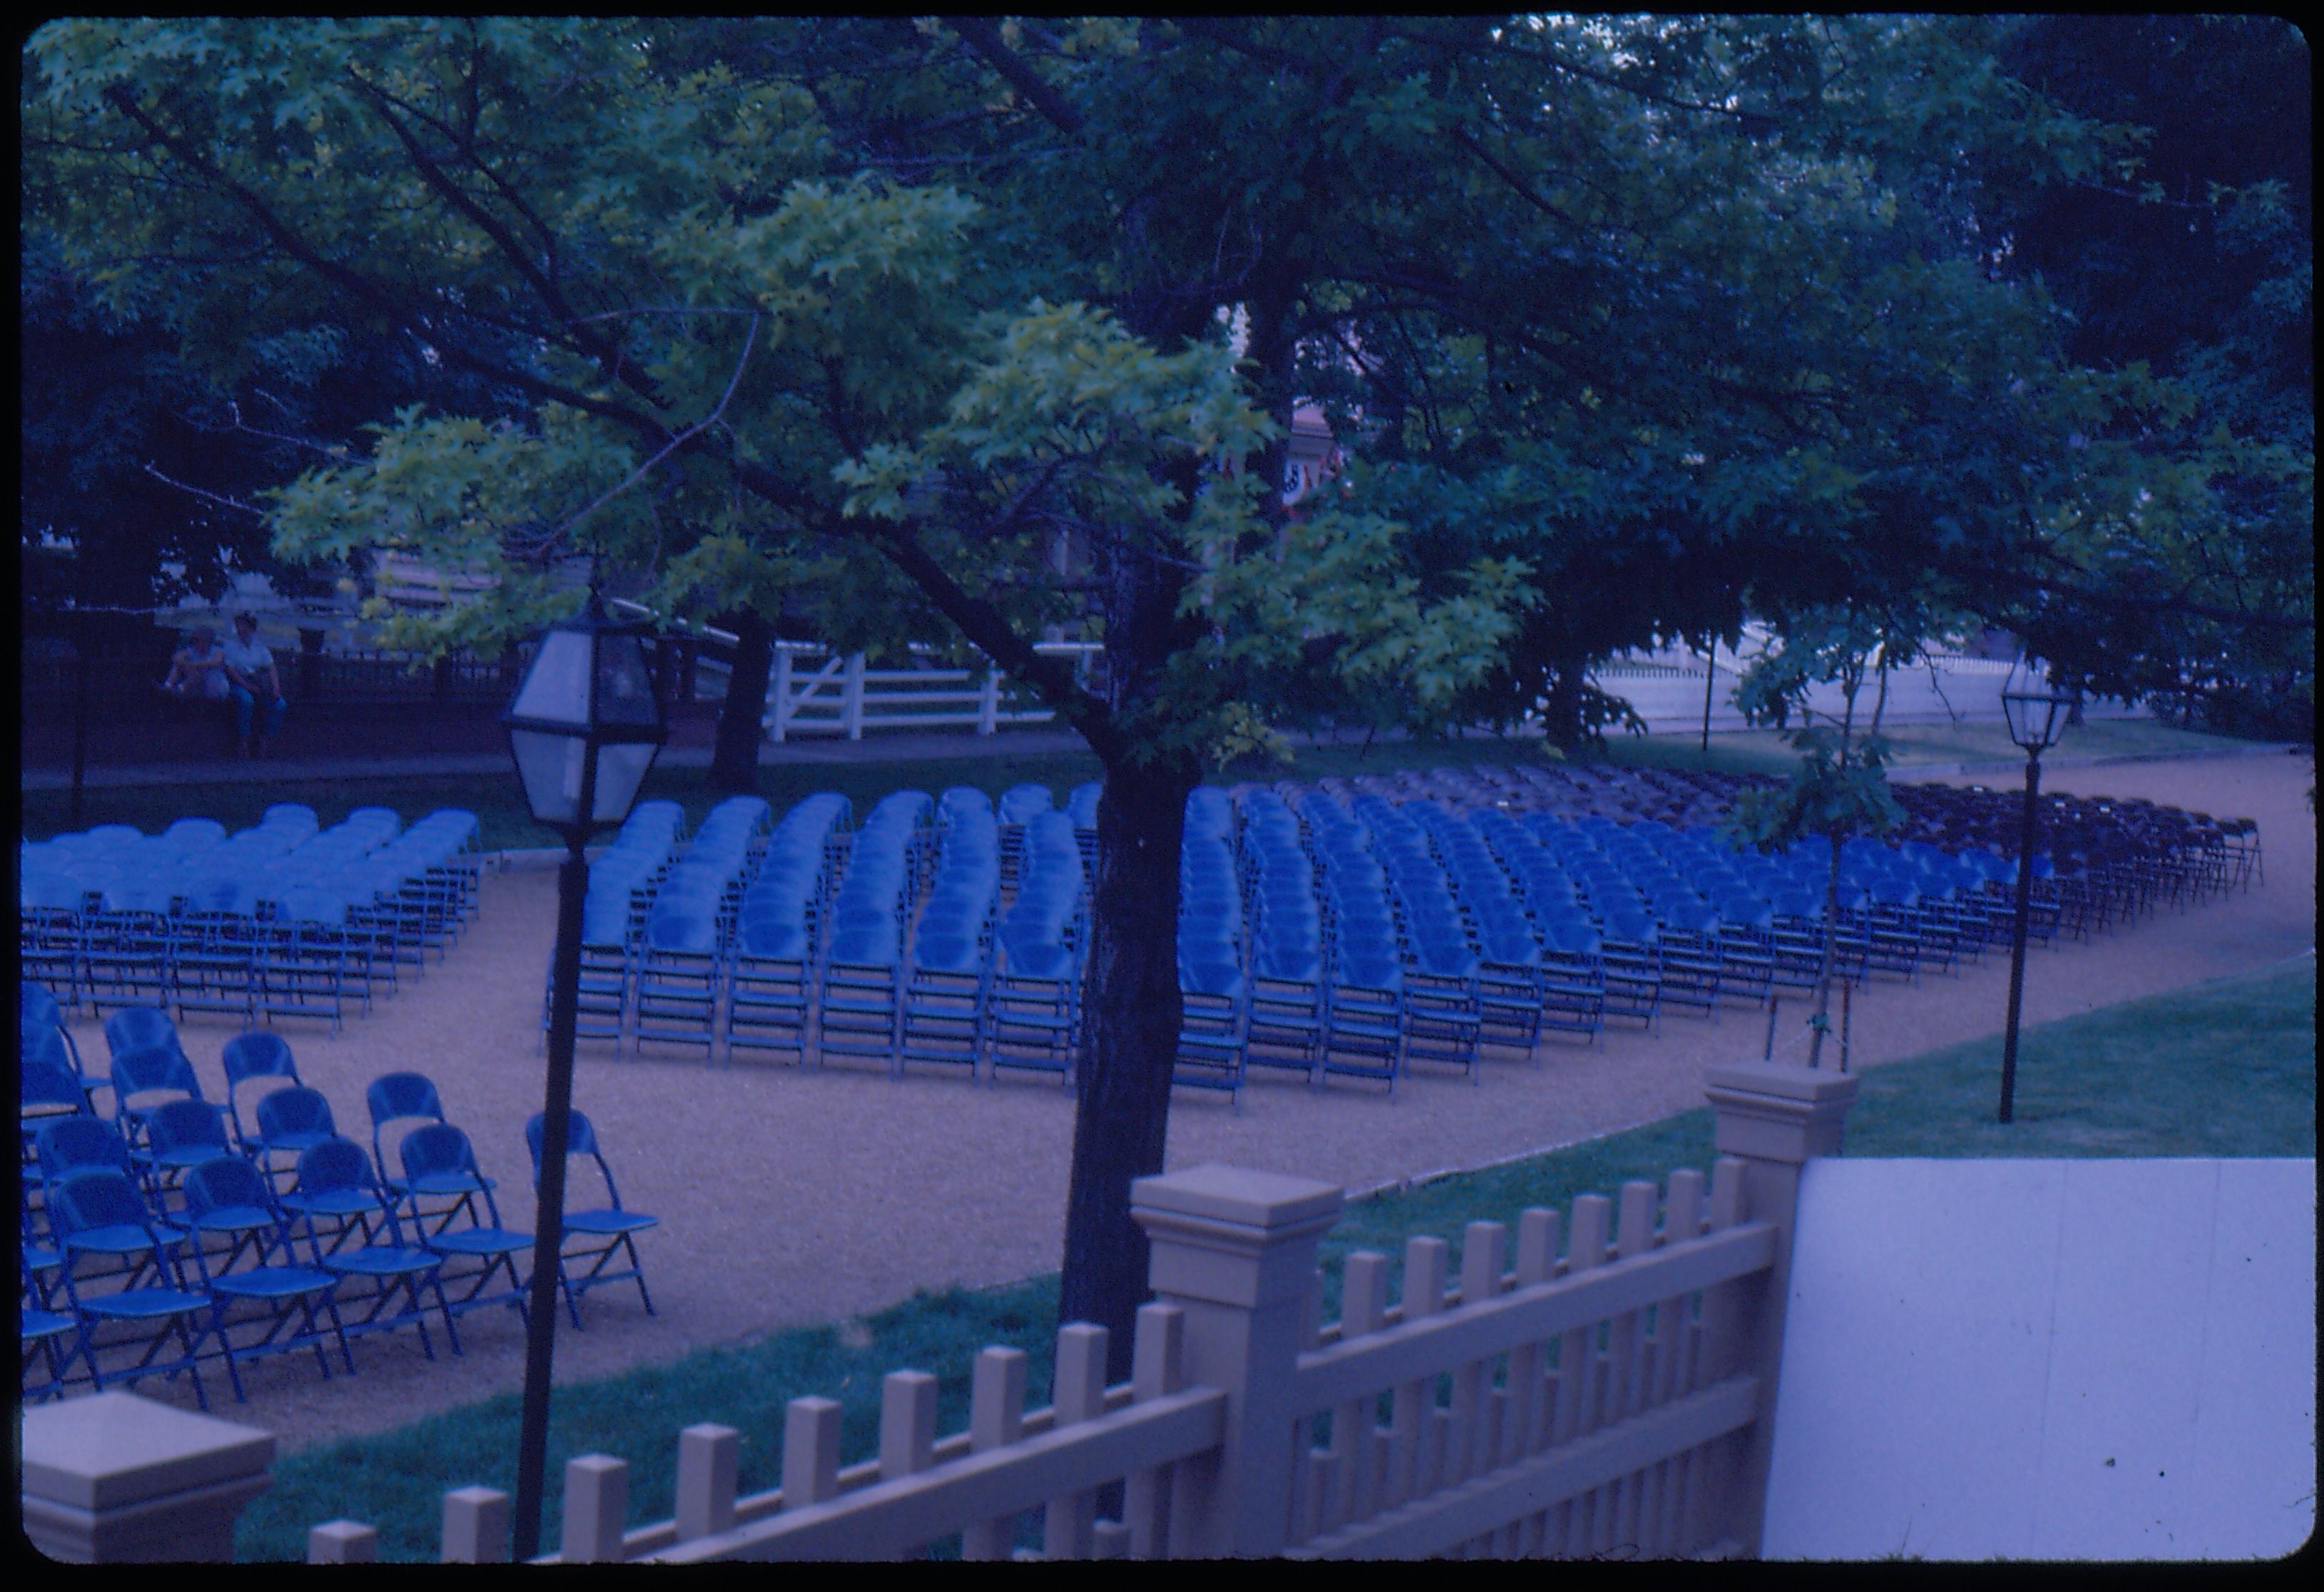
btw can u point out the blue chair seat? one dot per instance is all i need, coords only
(144, 1304)
(272, 1283)
(382, 1261)
(335, 1203)
(120, 1239)
(608, 1222)
(479, 1241)
(449, 1182)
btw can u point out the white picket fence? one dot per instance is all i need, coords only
(839, 696)
(1613, 1401)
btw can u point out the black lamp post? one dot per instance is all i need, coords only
(583, 728)
(2036, 721)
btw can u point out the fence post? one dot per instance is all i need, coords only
(475, 1526)
(988, 706)
(113, 1479)
(1234, 1251)
(342, 1541)
(596, 1508)
(781, 695)
(708, 1458)
(851, 696)
(1771, 1119)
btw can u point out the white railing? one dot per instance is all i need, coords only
(840, 696)
(1613, 1401)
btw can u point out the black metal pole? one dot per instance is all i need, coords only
(1710, 687)
(548, 1226)
(2017, 933)
(80, 714)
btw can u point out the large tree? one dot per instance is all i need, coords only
(860, 320)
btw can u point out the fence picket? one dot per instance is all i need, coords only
(1414, 1424)
(810, 1451)
(1520, 1432)
(1617, 1505)
(1567, 1523)
(996, 1418)
(1080, 1389)
(1307, 1480)
(1682, 1222)
(1711, 1352)
(596, 1506)
(1355, 1425)
(708, 1459)
(475, 1526)
(342, 1541)
(1158, 1369)
(1480, 1280)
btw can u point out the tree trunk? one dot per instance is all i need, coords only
(735, 764)
(1561, 713)
(1130, 1029)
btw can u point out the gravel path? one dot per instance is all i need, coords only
(789, 1197)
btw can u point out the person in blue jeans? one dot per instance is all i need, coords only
(253, 683)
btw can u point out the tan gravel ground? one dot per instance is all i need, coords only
(790, 1196)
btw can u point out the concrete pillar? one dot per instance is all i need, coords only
(1235, 1251)
(113, 1479)
(1771, 1118)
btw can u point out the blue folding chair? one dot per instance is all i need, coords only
(180, 1135)
(769, 984)
(137, 1028)
(399, 1097)
(1211, 1028)
(47, 1086)
(288, 1124)
(143, 1080)
(98, 1213)
(439, 1163)
(255, 1063)
(678, 984)
(604, 1233)
(240, 1239)
(339, 1197)
(861, 999)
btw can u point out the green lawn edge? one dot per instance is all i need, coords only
(2225, 1068)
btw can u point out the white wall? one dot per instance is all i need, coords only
(2049, 1359)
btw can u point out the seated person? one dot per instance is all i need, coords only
(252, 682)
(197, 669)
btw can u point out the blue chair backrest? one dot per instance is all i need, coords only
(335, 1166)
(294, 1111)
(580, 1138)
(97, 1198)
(76, 1143)
(401, 1093)
(682, 930)
(149, 1069)
(228, 1181)
(45, 1077)
(135, 1028)
(35, 1004)
(439, 1147)
(257, 1054)
(186, 1124)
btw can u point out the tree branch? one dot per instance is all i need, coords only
(980, 35)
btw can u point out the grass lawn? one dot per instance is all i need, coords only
(2225, 1068)
(500, 809)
